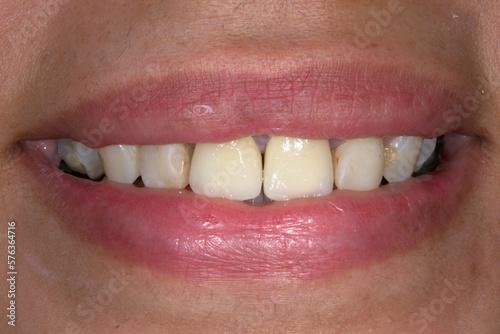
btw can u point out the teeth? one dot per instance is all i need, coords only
(359, 164)
(297, 168)
(231, 170)
(401, 155)
(166, 166)
(66, 151)
(121, 162)
(428, 148)
(294, 168)
(89, 159)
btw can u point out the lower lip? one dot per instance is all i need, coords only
(186, 235)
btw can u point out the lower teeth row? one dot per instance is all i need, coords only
(292, 168)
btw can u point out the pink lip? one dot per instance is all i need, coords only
(187, 235)
(329, 101)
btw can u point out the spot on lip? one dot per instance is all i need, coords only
(201, 110)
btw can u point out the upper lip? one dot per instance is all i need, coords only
(314, 100)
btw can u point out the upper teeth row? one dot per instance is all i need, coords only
(293, 167)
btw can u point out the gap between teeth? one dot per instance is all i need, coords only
(291, 167)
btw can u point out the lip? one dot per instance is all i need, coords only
(315, 101)
(187, 235)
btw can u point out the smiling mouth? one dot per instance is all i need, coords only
(292, 203)
(256, 170)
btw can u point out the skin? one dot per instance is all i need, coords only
(66, 285)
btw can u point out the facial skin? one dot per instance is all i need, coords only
(447, 283)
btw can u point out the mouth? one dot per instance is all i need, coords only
(300, 175)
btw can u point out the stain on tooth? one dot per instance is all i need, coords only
(401, 155)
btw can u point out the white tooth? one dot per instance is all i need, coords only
(230, 170)
(401, 155)
(121, 162)
(297, 168)
(66, 151)
(359, 164)
(166, 166)
(428, 147)
(89, 159)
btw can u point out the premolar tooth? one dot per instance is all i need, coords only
(359, 164)
(66, 151)
(89, 159)
(401, 155)
(166, 166)
(121, 162)
(297, 168)
(230, 170)
(428, 147)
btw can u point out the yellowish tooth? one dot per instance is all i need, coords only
(89, 158)
(401, 155)
(296, 168)
(166, 166)
(121, 162)
(359, 164)
(66, 152)
(230, 170)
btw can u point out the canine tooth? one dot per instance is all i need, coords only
(89, 158)
(121, 162)
(401, 155)
(230, 170)
(428, 147)
(297, 168)
(359, 164)
(166, 166)
(66, 151)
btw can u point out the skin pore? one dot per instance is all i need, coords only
(58, 55)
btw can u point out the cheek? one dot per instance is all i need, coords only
(24, 22)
